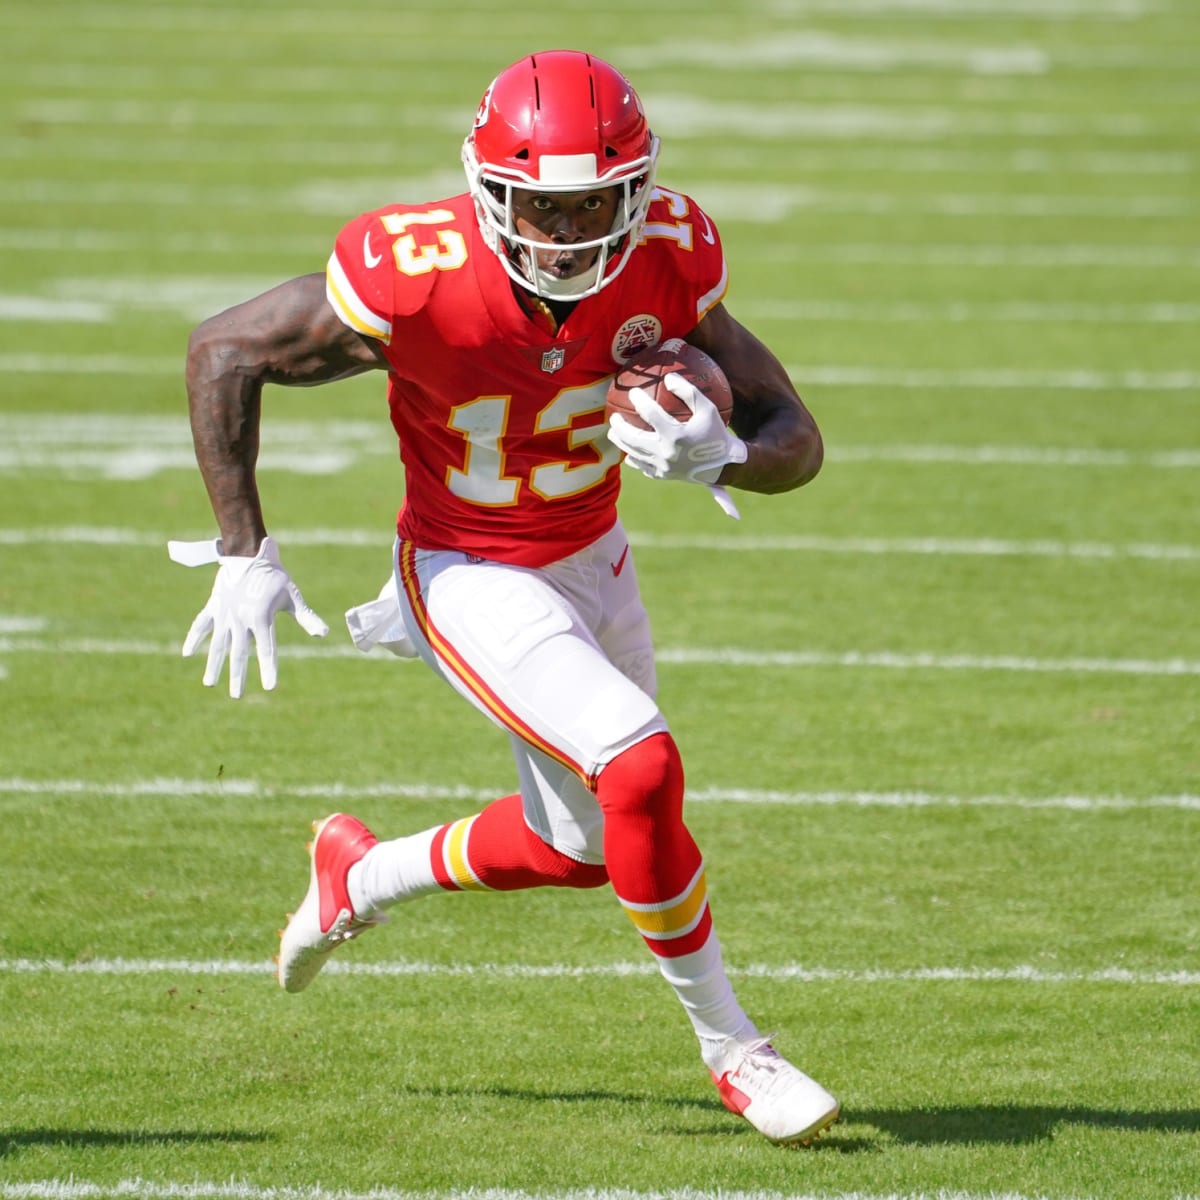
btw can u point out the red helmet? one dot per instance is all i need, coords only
(560, 121)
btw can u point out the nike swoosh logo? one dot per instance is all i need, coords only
(372, 260)
(619, 565)
(707, 232)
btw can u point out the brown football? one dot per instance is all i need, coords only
(647, 369)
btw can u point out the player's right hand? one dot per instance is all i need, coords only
(246, 596)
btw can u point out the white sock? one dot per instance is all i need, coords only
(391, 872)
(707, 997)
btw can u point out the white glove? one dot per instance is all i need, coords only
(694, 450)
(246, 595)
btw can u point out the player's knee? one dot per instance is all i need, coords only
(584, 875)
(647, 777)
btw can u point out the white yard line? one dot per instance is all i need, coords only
(75, 1188)
(1002, 378)
(109, 304)
(1050, 256)
(964, 312)
(973, 10)
(679, 115)
(722, 199)
(341, 791)
(141, 149)
(315, 18)
(783, 973)
(1084, 379)
(890, 660)
(725, 656)
(380, 540)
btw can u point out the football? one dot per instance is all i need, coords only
(647, 369)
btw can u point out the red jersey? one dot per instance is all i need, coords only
(500, 417)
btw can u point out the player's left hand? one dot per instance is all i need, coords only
(247, 595)
(695, 450)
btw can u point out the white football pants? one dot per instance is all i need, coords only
(559, 656)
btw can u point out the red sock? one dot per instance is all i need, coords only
(653, 863)
(497, 851)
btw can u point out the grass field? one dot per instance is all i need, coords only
(940, 710)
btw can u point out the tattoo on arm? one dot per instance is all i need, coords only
(288, 336)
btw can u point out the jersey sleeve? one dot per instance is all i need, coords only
(678, 222)
(359, 281)
(363, 280)
(715, 276)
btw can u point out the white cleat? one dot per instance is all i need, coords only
(325, 918)
(779, 1100)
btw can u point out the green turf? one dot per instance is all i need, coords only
(948, 791)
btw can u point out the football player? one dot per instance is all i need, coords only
(500, 315)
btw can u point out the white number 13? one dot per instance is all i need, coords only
(483, 421)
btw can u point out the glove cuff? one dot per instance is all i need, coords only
(735, 452)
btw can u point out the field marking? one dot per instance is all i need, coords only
(986, 378)
(1050, 256)
(725, 656)
(809, 48)
(1018, 456)
(770, 204)
(821, 374)
(104, 302)
(132, 446)
(850, 158)
(682, 115)
(1047, 10)
(686, 115)
(785, 973)
(338, 791)
(74, 1188)
(314, 18)
(380, 539)
(960, 312)
(779, 203)
(890, 660)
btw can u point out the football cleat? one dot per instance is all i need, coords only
(779, 1100)
(325, 918)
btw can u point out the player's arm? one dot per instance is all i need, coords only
(783, 444)
(288, 335)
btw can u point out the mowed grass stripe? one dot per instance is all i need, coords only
(337, 791)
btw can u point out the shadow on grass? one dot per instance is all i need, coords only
(955, 1124)
(13, 1141)
(1013, 1124)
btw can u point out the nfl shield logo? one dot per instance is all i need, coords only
(552, 360)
